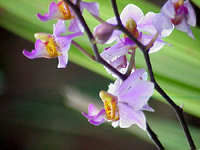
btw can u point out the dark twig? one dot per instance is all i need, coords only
(98, 58)
(178, 110)
(154, 138)
(150, 132)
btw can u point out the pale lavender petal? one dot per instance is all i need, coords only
(191, 16)
(115, 51)
(147, 108)
(130, 80)
(97, 122)
(158, 44)
(137, 94)
(163, 24)
(54, 13)
(115, 123)
(120, 62)
(40, 51)
(175, 1)
(62, 60)
(128, 117)
(184, 27)
(75, 26)
(113, 88)
(94, 116)
(92, 112)
(59, 28)
(91, 7)
(147, 24)
(65, 41)
(131, 11)
(168, 9)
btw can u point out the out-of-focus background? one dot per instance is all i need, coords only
(40, 106)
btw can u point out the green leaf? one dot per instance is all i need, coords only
(196, 2)
(176, 68)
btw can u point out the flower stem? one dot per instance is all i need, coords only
(82, 50)
(178, 110)
(131, 64)
(153, 136)
(145, 50)
(150, 132)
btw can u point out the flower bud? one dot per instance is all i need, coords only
(103, 32)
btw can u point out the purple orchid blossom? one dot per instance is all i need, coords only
(124, 102)
(51, 46)
(140, 26)
(62, 11)
(134, 20)
(176, 13)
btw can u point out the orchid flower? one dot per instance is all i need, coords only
(124, 102)
(176, 13)
(140, 26)
(51, 46)
(136, 23)
(62, 11)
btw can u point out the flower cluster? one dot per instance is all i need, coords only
(126, 99)
(57, 45)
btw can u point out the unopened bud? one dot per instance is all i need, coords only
(103, 32)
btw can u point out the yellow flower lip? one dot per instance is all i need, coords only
(50, 44)
(51, 48)
(178, 4)
(110, 105)
(64, 8)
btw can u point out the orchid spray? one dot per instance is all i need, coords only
(127, 98)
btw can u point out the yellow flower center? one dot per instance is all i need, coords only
(64, 8)
(50, 44)
(131, 26)
(110, 105)
(51, 48)
(178, 4)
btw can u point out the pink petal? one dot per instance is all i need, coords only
(54, 13)
(40, 51)
(59, 28)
